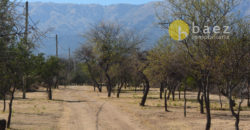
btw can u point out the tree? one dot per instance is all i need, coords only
(86, 55)
(10, 52)
(49, 70)
(109, 46)
(14, 73)
(158, 62)
(16, 59)
(105, 38)
(167, 65)
(204, 14)
(141, 63)
(5, 85)
(234, 66)
(81, 75)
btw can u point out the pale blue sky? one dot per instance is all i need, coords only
(102, 2)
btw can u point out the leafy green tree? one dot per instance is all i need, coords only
(49, 71)
(10, 51)
(14, 73)
(81, 75)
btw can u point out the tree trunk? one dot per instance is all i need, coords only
(165, 101)
(50, 93)
(109, 91)
(119, 90)
(161, 90)
(144, 88)
(202, 104)
(228, 94)
(231, 105)
(237, 121)
(169, 92)
(4, 102)
(207, 102)
(24, 87)
(93, 78)
(248, 97)
(248, 100)
(100, 88)
(180, 93)
(145, 92)
(109, 87)
(173, 93)
(200, 99)
(236, 116)
(10, 107)
(220, 100)
(56, 83)
(185, 101)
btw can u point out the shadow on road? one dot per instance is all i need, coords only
(71, 101)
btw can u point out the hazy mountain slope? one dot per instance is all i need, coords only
(72, 20)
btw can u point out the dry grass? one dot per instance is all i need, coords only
(36, 112)
(154, 117)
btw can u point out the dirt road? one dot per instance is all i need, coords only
(81, 111)
(80, 108)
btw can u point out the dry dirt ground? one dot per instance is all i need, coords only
(80, 108)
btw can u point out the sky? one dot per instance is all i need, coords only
(102, 2)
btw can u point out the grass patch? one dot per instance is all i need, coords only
(159, 105)
(44, 108)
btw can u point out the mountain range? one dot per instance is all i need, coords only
(71, 21)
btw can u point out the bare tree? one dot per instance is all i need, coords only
(109, 45)
(203, 51)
